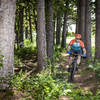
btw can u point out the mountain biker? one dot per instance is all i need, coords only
(76, 46)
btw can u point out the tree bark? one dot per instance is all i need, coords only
(30, 24)
(58, 29)
(78, 17)
(49, 29)
(88, 29)
(26, 32)
(41, 34)
(54, 33)
(21, 21)
(82, 19)
(7, 36)
(97, 36)
(64, 31)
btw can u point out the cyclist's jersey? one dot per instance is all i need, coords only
(76, 46)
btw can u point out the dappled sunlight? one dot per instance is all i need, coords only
(64, 98)
(65, 54)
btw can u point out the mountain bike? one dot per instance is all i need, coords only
(74, 66)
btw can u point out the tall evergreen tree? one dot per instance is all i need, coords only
(88, 29)
(7, 35)
(21, 27)
(49, 29)
(30, 23)
(58, 29)
(78, 17)
(41, 34)
(97, 36)
(63, 44)
(26, 28)
(82, 18)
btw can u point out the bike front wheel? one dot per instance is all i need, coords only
(73, 70)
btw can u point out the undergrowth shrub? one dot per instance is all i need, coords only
(44, 86)
(1, 60)
(41, 86)
(97, 69)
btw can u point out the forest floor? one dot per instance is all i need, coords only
(84, 78)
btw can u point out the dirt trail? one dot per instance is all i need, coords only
(84, 78)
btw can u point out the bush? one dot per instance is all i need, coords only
(1, 60)
(41, 86)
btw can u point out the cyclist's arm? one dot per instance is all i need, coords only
(84, 51)
(70, 44)
(68, 47)
(83, 47)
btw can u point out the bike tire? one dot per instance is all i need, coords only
(74, 65)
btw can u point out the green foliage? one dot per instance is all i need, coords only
(21, 55)
(41, 86)
(80, 94)
(44, 86)
(28, 43)
(57, 53)
(71, 34)
(1, 60)
(47, 85)
(17, 61)
(93, 51)
(25, 53)
(17, 80)
(97, 68)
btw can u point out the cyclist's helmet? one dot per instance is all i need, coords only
(78, 36)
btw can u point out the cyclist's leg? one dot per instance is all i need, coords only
(70, 60)
(79, 56)
(71, 57)
(79, 59)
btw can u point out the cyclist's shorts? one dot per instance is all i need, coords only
(76, 52)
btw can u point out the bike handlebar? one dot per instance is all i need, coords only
(83, 55)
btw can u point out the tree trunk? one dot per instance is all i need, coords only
(26, 32)
(97, 36)
(49, 29)
(30, 24)
(7, 35)
(21, 21)
(58, 29)
(64, 31)
(54, 33)
(88, 30)
(35, 22)
(78, 17)
(41, 34)
(82, 19)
